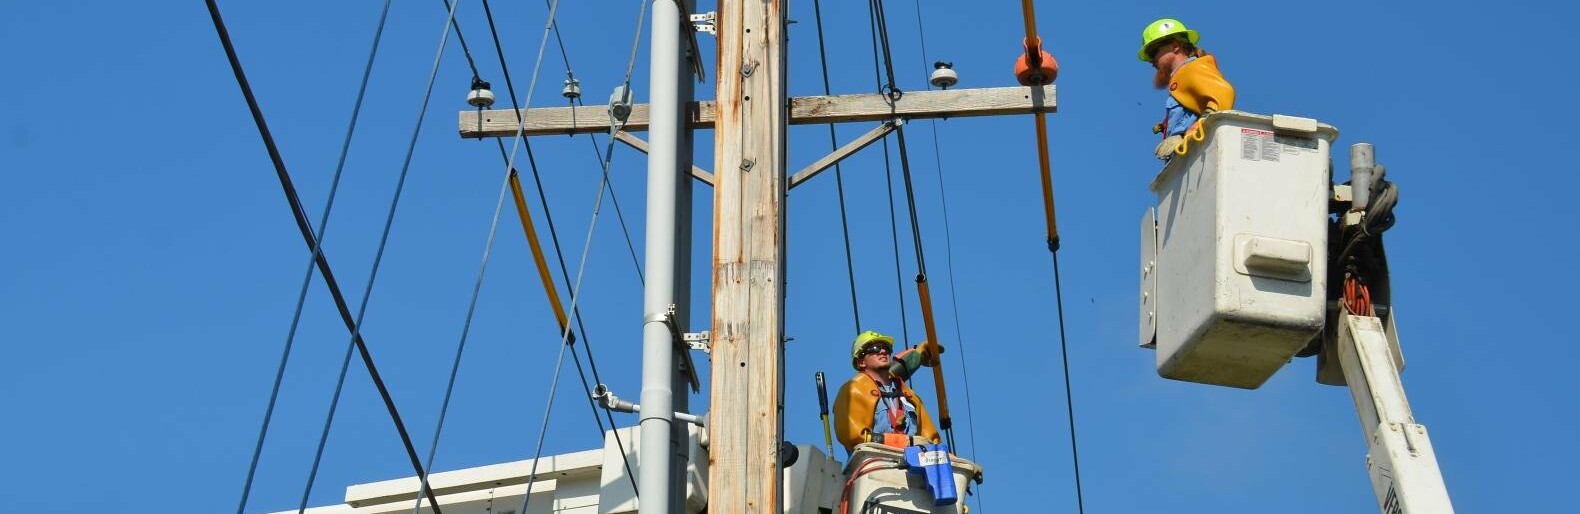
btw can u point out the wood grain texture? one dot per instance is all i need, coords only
(746, 419)
(804, 110)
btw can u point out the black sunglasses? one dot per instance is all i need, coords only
(874, 350)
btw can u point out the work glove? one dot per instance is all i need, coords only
(1165, 150)
(930, 352)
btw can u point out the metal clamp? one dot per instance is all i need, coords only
(706, 22)
(699, 341)
(681, 346)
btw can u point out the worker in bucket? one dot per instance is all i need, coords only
(1190, 75)
(876, 405)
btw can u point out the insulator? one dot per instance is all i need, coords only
(573, 89)
(480, 96)
(620, 103)
(944, 75)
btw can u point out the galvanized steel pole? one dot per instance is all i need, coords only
(665, 179)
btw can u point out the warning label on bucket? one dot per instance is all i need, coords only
(1258, 145)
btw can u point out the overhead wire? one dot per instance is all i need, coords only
(922, 290)
(575, 297)
(509, 184)
(378, 258)
(888, 175)
(949, 255)
(1033, 44)
(587, 246)
(613, 197)
(314, 241)
(513, 184)
(548, 216)
(839, 180)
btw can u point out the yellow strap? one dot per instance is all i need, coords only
(1195, 132)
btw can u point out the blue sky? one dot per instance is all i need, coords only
(151, 265)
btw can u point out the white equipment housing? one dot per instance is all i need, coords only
(616, 493)
(1234, 256)
(895, 490)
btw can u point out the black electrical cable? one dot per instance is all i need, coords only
(888, 174)
(949, 257)
(881, 23)
(554, 235)
(312, 241)
(839, 180)
(378, 258)
(1069, 397)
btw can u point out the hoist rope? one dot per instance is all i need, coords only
(521, 207)
(314, 241)
(922, 290)
(839, 180)
(1034, 60)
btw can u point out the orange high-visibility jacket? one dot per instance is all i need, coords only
(857, 403)
(1201, 88)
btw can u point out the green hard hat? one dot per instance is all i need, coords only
(867, 338)
(1161, 30)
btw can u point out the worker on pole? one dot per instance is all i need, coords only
(876, 405)
(1195, 86)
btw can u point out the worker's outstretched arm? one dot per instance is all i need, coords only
(907, 362)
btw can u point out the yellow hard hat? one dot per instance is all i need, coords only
(866, 338)
(1161, 30)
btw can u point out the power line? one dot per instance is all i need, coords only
(839, 180)
(378, 258)
(949, 254)
(553, 232)
(322, 263)
(613, 198)
(894, 93)
(888, 175)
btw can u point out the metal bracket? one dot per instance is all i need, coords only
(699, 341)
(683, 347)
(706, 22)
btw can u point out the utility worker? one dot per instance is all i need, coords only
(1196, 88)
(876, 405)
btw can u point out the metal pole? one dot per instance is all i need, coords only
(684, 86)
(658, 346)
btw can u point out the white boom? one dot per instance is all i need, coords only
(1399, 456)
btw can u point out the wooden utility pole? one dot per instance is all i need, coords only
(750, 119)
(746, 419)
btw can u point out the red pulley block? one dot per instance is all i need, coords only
(1045, 71)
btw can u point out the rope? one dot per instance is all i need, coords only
(378, 258)
(839, 180)
(299, 213)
